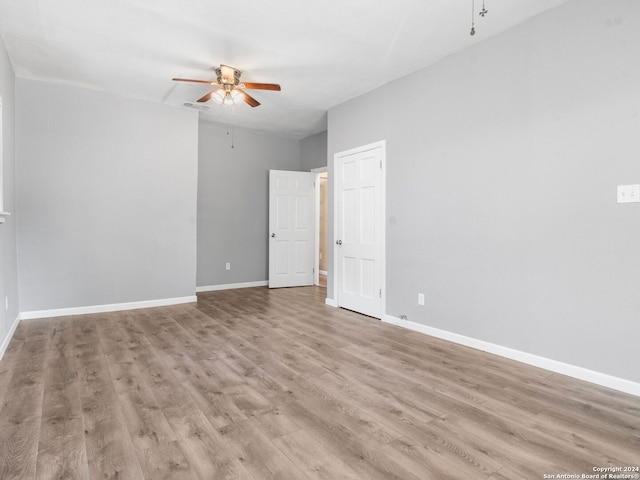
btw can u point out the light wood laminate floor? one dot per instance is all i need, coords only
(273, 384)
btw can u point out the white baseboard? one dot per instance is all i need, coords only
(7, 340)
(331, 302)
(114, 307)
(580, 373)
(231, 286)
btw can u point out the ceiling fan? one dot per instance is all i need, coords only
(228, 89)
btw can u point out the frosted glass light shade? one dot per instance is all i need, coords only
(218, 96)
(237, 96)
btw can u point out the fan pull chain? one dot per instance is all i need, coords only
(473, 18)
(482, 13)
(230, 135)
(230, 130)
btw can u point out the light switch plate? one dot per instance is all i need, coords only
(628, 193)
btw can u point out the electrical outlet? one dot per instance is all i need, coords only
(421, 299)
(228, 266)
(628, 193)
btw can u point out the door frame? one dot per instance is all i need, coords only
(382, 144)
(316, 213)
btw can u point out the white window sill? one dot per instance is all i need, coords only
(3, 216)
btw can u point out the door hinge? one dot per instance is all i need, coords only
(380, 164)
(380, 293)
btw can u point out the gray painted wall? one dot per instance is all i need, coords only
(233, 201)
(8, 256)
(501, 187)
(314, 151)
(106, 193)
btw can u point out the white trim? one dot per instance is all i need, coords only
(382, 145)
(556, 366)
(7, 339)
(231, 286)
(316, 220)
(331, 302)
(4, 214)
(332, 241)
(316, 191)
(114, 307)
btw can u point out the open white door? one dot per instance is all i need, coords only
(359, 249)
(291, 228)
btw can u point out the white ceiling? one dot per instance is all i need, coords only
(322, 53)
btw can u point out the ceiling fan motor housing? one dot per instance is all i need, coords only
(228, 75)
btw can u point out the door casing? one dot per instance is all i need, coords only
(317, 172)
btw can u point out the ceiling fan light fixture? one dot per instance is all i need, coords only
(237, 97)
(218, 96)
(229, 97)
(227, 89)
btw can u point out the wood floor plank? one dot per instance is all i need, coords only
(607, 420)
(507, 473)
(21, 413)
(432, 462)
(166, 461)
(416, 432)
(145, 422)
(515, 446)
(258, 454)
(303, 450)
(202, 378)
(61, 448)
(360, 453)
(204, 448)
(261, 383)
(156, 445)
(274, 423)
(8, 364)
(608, 448)
(110, 452)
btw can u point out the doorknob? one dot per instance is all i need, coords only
(273, 235)
(338, 242)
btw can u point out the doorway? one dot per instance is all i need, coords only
(321, 217)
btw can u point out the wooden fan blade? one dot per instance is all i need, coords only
(262, 86)
(208, 82)
(249, 99)
(207, 97)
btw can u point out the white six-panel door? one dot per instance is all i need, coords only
(291, 228)
(359, 230)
